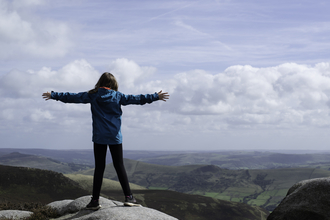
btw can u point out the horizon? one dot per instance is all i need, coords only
(241, 75)
(186, 151)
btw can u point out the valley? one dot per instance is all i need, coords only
(264, 188)
(249, 177)
(28, 187)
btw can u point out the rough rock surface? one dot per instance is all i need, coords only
(74, 210)
(14, 214)
(305, 200)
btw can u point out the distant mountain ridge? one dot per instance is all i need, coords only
(40, 162)
(242, 160)
(224, 159)
(84, 156)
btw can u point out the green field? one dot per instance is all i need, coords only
(270, 194)
(180, 205)
(86, 182)
(157, 188)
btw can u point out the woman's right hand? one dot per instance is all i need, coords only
(46, 96)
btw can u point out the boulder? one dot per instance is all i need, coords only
(74, 210)
(305, 200)
(71, 206)
(14, 214)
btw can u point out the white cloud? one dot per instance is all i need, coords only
(190, 44)
(23, 110)
(77, 75)
(288, 94)
(128, 72)
(39, 114)
(240, 99)
(22, 34)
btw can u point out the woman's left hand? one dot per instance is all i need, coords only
(163, 95)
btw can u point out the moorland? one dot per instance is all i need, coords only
(253, 178)
(27, 188)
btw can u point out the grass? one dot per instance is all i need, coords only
(29, 185)
(157, 188)
(86, 182)
(209, 194)
(236, 195)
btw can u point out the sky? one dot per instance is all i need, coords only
(242, 75)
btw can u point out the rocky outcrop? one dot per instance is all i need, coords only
(305, 200)
(14, 214)
(75, 210)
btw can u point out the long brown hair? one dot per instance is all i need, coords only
(106, 80)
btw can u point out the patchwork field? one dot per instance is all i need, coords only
(260, 187)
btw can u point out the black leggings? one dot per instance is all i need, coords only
(100, 152)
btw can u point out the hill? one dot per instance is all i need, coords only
(265, 188)
(20, 184)
(84, 156)
(235, 160)
(40, 162)
(86, 182)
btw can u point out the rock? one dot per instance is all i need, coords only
(71, 206)
(74, 210)
(14, 214)
(60, 206)
(305, 200)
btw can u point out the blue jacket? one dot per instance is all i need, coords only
(106, 110)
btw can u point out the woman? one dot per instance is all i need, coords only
(106, 104)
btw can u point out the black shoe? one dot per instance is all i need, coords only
(93, 205)
(130, 201)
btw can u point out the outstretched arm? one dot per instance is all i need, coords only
(143, 99)
(46, 96)
(67, 97)
(163, 95)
